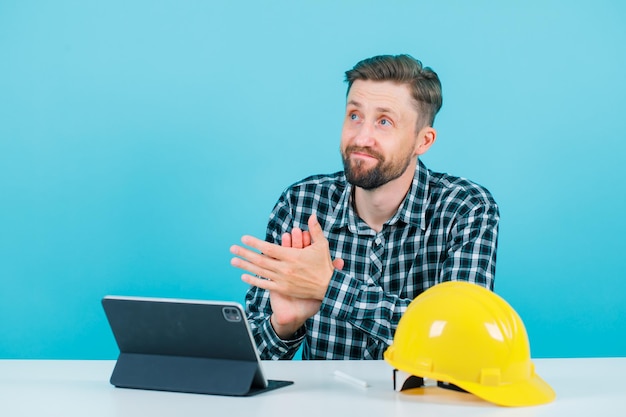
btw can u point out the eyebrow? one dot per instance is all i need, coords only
(378, 109)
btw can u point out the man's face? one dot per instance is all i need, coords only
(379, 137)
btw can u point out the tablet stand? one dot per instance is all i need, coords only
(191, 375)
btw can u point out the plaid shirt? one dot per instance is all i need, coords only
(445, 229)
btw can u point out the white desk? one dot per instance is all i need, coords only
(584, 387)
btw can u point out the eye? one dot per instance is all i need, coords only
(353, 116)
(385, 122)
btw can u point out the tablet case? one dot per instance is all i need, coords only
(202, 347)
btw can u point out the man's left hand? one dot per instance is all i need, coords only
(301, 273)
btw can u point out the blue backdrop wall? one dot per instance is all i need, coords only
(140, 139)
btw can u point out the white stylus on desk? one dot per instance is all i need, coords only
(349, 378)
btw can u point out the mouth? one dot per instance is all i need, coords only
(362, 154)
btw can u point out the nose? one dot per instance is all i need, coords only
(364, 135)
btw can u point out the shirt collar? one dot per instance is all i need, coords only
(412, 210)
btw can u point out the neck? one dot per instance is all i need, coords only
(377, 206)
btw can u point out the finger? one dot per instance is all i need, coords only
(317, 234)
(296, 238)
(254, 262)
(248, 266)
(258, 282)
(243, 252)
(253, 242)
(338, 264)
(269, 249)
(286, 240)
(306, 239)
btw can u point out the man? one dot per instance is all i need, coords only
(346, 253)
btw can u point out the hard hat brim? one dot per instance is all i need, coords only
(534, 391)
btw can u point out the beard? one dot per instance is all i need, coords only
(380, 174)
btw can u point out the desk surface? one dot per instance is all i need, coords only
(584, 387)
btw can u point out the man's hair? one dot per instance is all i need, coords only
(403, 69)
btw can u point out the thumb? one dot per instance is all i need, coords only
(338, 264)
(317, 234)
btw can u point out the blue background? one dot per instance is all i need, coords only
(140, 139)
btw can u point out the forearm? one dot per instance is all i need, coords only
(269, 344)
(366, 306)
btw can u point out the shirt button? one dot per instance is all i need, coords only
(377, 241)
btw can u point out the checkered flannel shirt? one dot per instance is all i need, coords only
(445, 229)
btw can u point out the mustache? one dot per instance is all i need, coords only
(367, 151)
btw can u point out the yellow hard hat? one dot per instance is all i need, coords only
(463, 334)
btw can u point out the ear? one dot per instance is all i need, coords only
(425, 139)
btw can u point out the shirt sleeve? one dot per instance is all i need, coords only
(470, 256)
(365, 305)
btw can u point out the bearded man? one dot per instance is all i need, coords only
(346, 253)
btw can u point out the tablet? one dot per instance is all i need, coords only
(194, 346)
